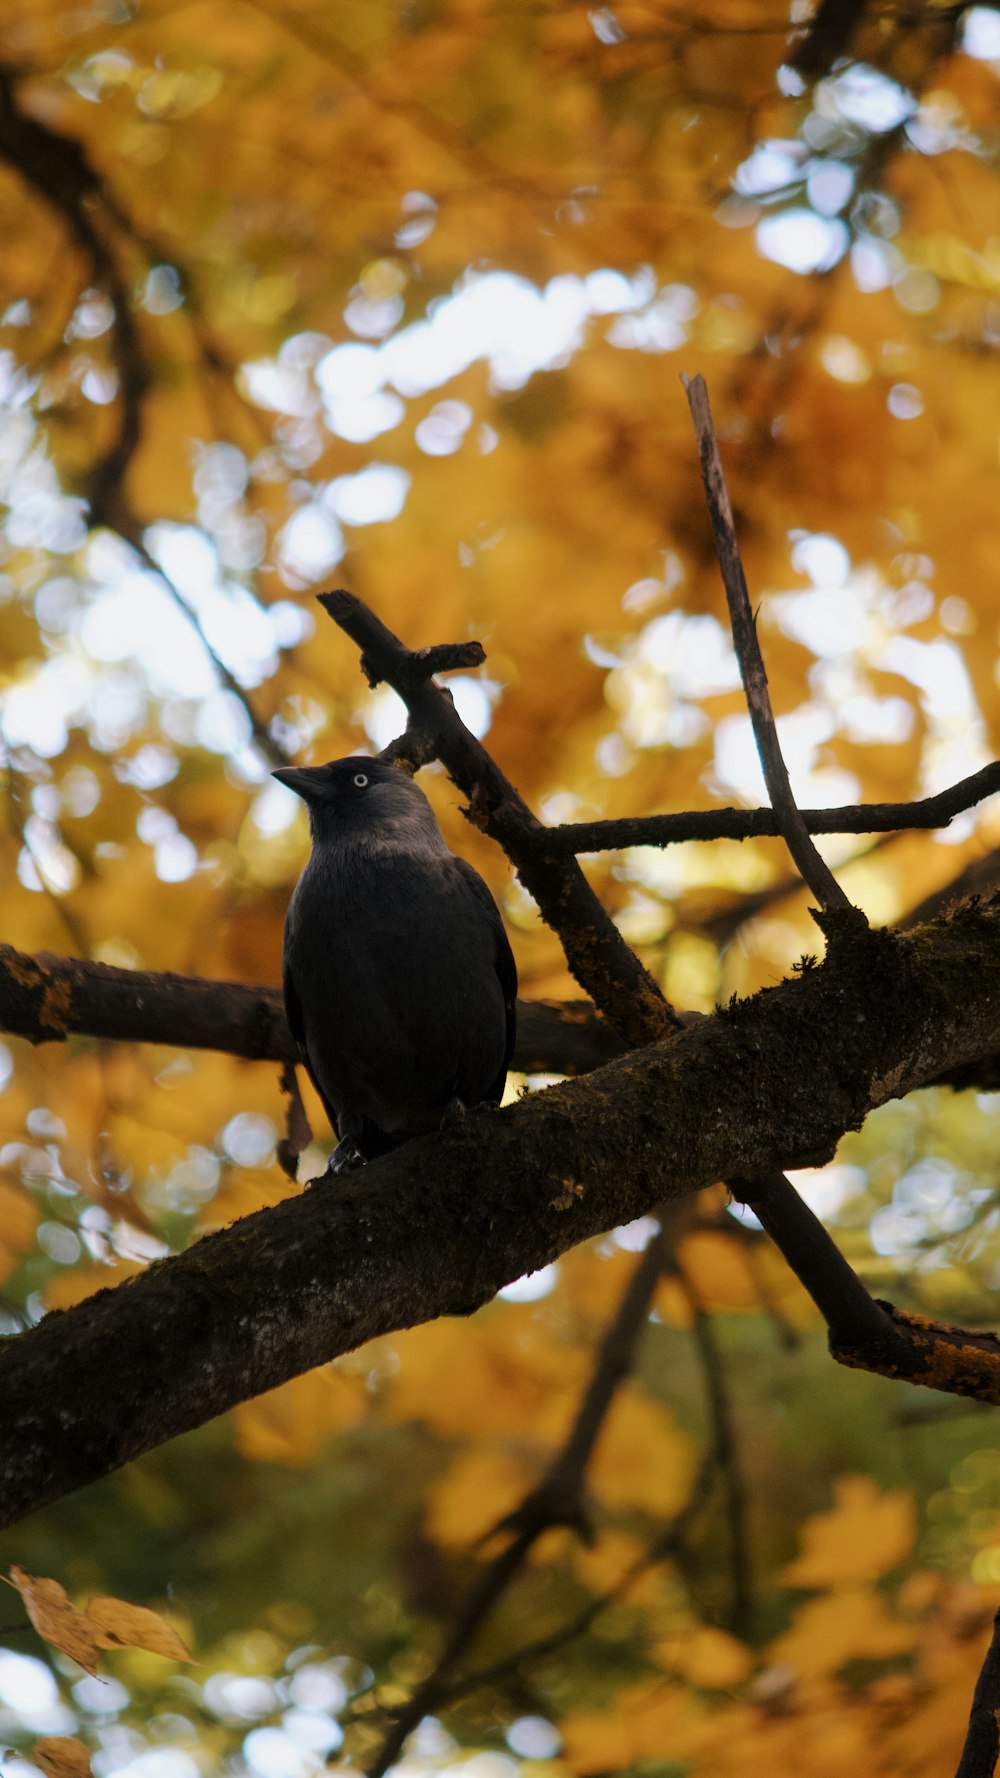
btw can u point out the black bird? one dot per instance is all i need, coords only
(400, 985)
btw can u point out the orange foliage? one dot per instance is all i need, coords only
(410, 289)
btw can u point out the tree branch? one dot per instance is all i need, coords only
(47, 999)
(827, 36)
(746, 824)
(727, 1456)
(56, 168)
(957, 1360)
(853, 1316)
(444, 1222)
(667, 1544)
(604, 965)
(812, 867)
(270, 749)
(557, 1500)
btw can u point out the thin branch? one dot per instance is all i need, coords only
(442, 657)
(397, 101)
(982, 1742)
(57, 169)
(727, 1455)
(853, 1316)
(814, 870)
(827, 36)
(60, 907)
(557, 1500)
(270, 749)
(604, 965)
(663, 1547)
(47, 999)
(746, 824)
(667, 1544)
(958, 1360)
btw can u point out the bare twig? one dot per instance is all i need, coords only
(604, 965)
(959, 1360)
(982, 1742)
(815, 872)
(270, 748)
(727, 1456)
(853, 1316)
(557, 1500)
(717, 1458)
(745, 824)
(57, 169)
(827, 36)
(442, 657)
(62, 908)
(663, 1547)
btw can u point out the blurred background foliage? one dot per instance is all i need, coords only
(397, 297)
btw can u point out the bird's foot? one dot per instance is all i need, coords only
(453, 1113)
(346, 1157)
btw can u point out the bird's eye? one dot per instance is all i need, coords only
(360, 780)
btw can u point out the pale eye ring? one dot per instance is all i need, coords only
(360, 780)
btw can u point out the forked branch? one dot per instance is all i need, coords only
(604, 965)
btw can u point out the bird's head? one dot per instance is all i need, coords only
(366, 803)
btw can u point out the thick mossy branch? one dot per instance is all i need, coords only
(440, 1225)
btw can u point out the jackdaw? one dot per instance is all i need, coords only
(399, 982)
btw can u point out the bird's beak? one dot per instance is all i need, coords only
(306, 781)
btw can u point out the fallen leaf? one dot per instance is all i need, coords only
(63, 1756)
(117, 1624)
(56, 1619)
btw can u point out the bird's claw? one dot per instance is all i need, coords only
(453, 1113)
(346, 1157)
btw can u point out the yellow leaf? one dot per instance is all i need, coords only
(504, 1374)
(594, 1281)
(604, 1563)
(477, 1491)
(840, 1627)
(865, 1534)
(719, 1271)
(57, 1621)
(18, 1217)
(62, 1756)
(119, 1625)
(706, 1657)
(291, 1424)
(647, 1723)
(642, 1459)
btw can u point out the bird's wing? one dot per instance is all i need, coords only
(503, 960)
(297, 1027)
(293, 1009)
